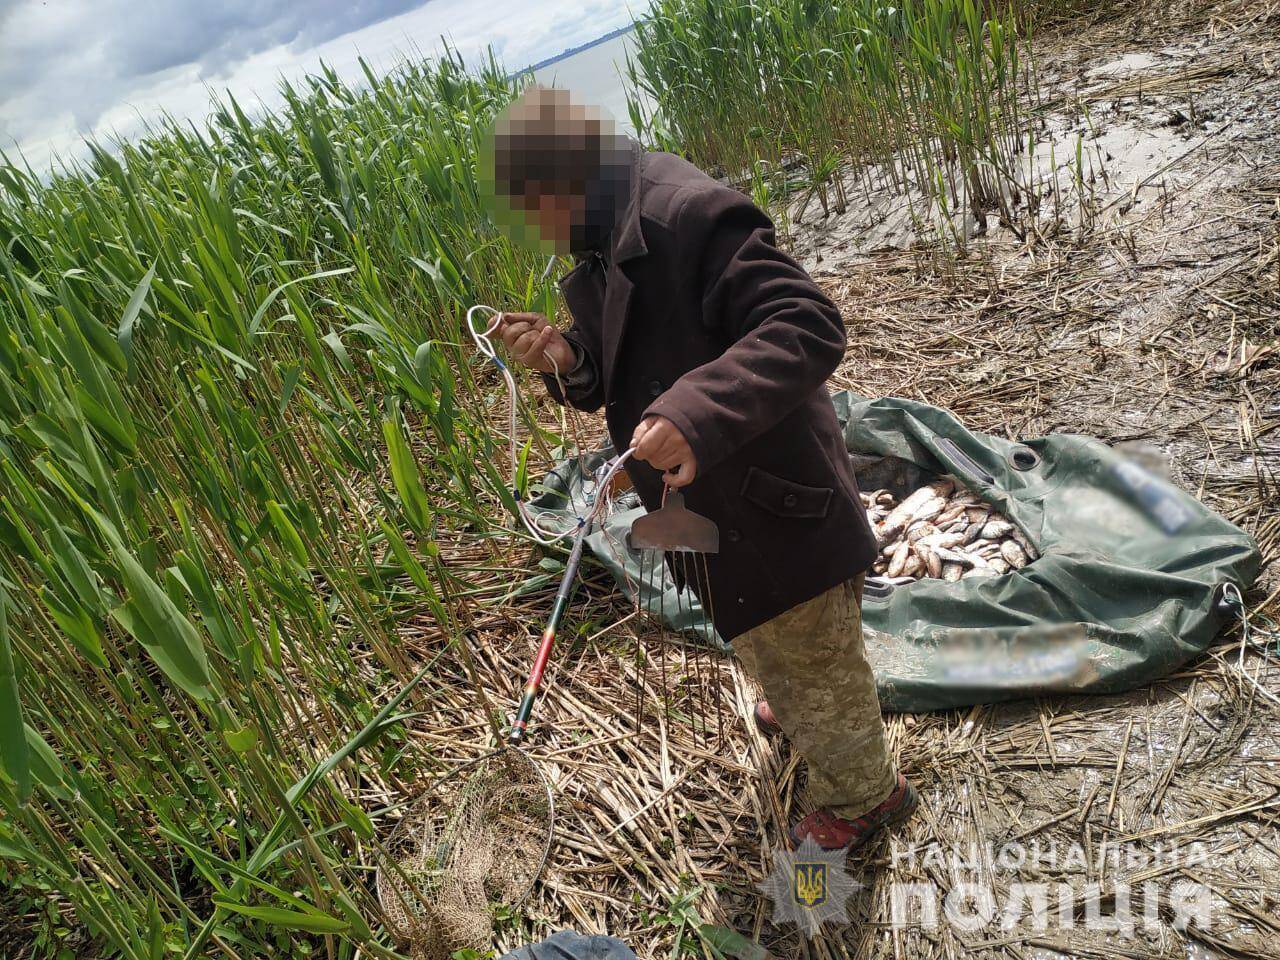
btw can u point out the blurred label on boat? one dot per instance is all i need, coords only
(1050, 656)
(1156, 496)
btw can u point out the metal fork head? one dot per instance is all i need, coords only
(675, 528)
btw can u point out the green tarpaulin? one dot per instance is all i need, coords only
(1128, 586)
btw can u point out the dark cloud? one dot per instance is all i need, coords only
(219, 35)
(81, 57)
(76, 68)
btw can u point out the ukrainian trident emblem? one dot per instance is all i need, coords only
(809, 887)
(809, 884)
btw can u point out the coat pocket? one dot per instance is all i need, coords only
(786, 498)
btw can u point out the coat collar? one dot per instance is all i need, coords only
(628, 239)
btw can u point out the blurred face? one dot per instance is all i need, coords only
(558, 173)
(553, 209)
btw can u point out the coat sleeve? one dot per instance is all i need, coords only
(786, 337)
(582, 388)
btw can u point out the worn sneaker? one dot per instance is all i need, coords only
(831, 832)
(766, 722)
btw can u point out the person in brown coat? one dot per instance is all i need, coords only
(708, 349)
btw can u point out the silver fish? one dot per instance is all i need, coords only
(1013, 555)
(996, 529)
(932, 563)
(1027, 546)
(921, 529)
(898, 560)
(955, 556)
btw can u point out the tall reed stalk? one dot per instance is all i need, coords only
(237, 408)
(923, 97)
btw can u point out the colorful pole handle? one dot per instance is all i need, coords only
(534, 686)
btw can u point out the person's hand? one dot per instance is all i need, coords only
(531, 340)
(660, 443)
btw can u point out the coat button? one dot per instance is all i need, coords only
(789, 500)
(733, 535)
(655, 388)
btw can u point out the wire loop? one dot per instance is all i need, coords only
(604, 475)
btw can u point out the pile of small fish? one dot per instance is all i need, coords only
(945, 531)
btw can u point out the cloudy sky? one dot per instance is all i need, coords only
(76, 68)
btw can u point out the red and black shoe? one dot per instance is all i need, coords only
(766, 722)
(831, 832)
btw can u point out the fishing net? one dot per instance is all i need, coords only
(477, 838)
(480, 836)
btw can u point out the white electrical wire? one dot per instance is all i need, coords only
(1231, 593)
(604, 476)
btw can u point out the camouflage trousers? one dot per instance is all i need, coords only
(813, 667)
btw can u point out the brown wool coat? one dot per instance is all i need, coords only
(694, 315)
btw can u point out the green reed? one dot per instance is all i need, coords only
(925, 97)
(237, 410)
